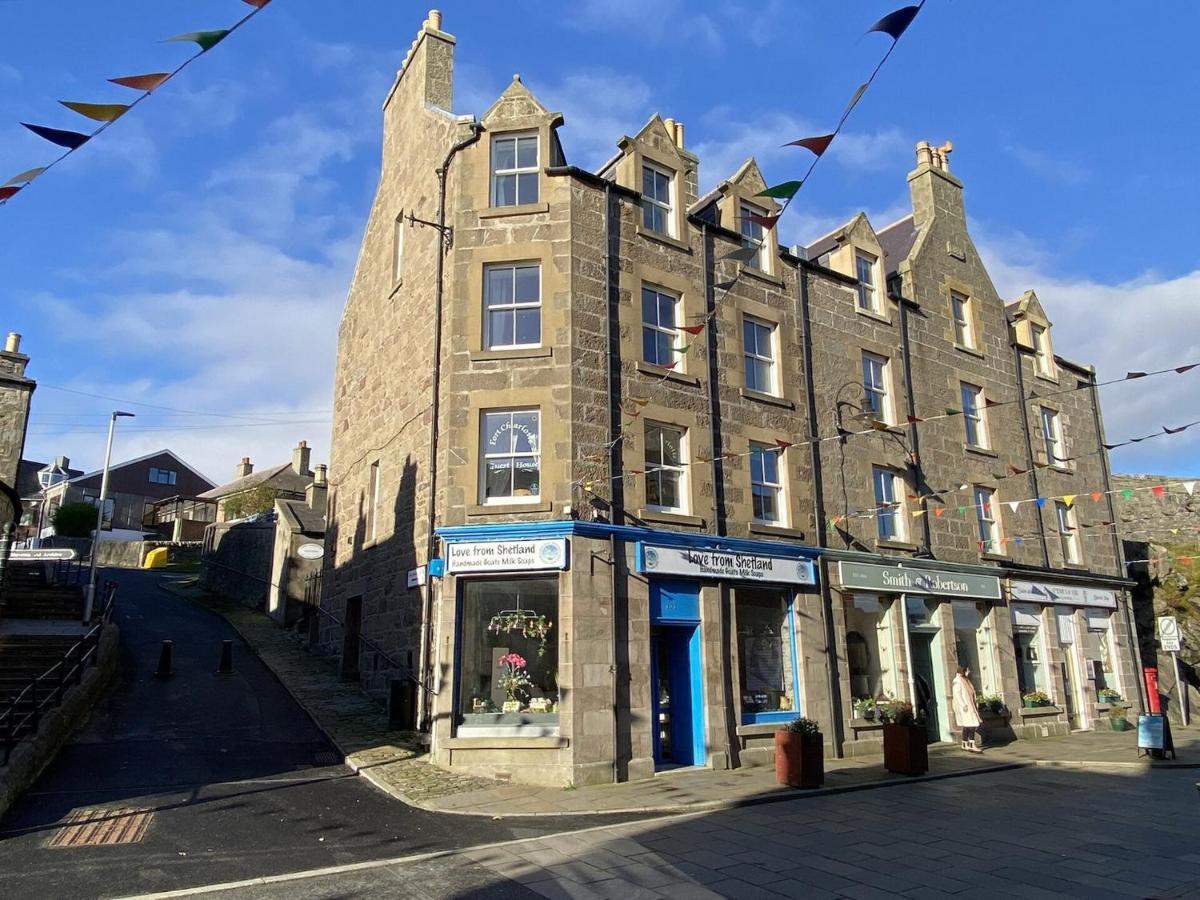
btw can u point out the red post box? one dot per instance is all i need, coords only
(1151, 674)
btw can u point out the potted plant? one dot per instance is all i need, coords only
(515, 681)
(905, 740)
(1035, 699)
(1117, 720)
(991, 703)
(864, 708)
(1108, 696)
(800, 754)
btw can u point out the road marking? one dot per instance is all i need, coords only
(102, 827)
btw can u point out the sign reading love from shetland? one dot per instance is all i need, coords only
(723, 564)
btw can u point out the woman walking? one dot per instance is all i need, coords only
(966, 712)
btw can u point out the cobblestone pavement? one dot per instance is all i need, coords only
(1037, 833)
(393, 760)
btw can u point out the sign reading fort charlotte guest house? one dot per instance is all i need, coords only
(506, 556)
(723, 564)
(897, 580)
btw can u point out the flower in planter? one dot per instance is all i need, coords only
(900, 712)
(514, 679)
(864, 707)
(808, 728)
(992, 703)
(1036, 698)
(1108, 695)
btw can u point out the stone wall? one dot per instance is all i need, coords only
(236, 561)
(16, 391)
(1172, 519)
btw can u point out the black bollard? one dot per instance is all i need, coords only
(226, 666)
(164, 661)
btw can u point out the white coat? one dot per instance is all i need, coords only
(966, 713)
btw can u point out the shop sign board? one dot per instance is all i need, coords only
(723, 564)
(416, 577)
(506, 556)
(46, 554)
(1150, 732)
(897, 580)
(1168, 633)
(1062, 594)
(310, 551)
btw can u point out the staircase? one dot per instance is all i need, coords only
(28, 595)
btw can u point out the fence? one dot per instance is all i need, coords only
(23, 713)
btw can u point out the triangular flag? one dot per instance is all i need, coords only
(1040, 501)
(683, 349)
(1173, 530)
(988, 402)
(894, 23)
(880, 426)
(1015, 470)
(1096, 495)
(1182, 369)
(72, 140)
(1014, 505)
(692, 329)
(745, 255)
(98, 112)
(917, 513)
(25, 177)
(961, 510)
(783, 445)
(1114, 446)
(1018, 541)
(940, 511)
(257, 3)
(1127, 494)
(1186, 560)
(1188, 486)
(767, 222)
(145, 83)
(1069, 499)
(725, 285)
(8, 191)
(1176, 430)
(1129, 376)
(669, 365)
(1158, 490)
(205, 40)
(817, 145)
(1004, 541)
(637, 401)
(858, 95)
(783, 191)
(913, 420)
(951, 411)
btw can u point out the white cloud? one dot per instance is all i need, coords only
(599, 106)
(1050, 168)
(651, 23)
(1143, 324)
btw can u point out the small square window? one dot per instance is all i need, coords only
(515, 170)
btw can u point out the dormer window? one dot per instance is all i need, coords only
(753, 235)
(656, 200)
(515, 170)
(864, 269)
(1043, 358)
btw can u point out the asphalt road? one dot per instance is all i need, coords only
(235, 774)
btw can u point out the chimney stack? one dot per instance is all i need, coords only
(13, 343)
(300, 457)
(317, 491)
(935, 192)
(63, 462)
(244, 468)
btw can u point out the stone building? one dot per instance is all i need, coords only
(623, 484)
(16, 393)
(286, 481)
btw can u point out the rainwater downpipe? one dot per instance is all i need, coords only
(1029, 451)
(617, 497)
(431, 515)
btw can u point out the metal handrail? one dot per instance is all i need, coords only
(13, 724)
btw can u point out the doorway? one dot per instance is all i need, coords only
(925, 681)
(1076, 717)
(678, 702)
(351, 629)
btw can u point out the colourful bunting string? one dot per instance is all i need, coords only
(744, 255)
(1158, 491)
(7, 191)
(895, 23)
(817, 145)
(98, 112)
(25, 177)
(72, 140)
(784, 191)
(144, 83)
(205, 40)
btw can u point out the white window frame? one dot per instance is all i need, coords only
(987, 519)
(755, 355)
(1042, 357)
(867, 290)
(488, 342)
(517, 171)
(964, 331)
(777, 488)
(887, 489)
(672, 330)
(667, 206)
(511, 455)
(681, 470)
(1068, 533)
(974, 416)
(754, 235)
(882, 410)
(1052, 436)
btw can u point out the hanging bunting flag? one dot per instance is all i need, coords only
(638, 401)
(587, 486)
(1004, 541)
(998, 475)
(1018, 541)
(1182, 369)
(880, 426)
(744, 255)
(1158, 490)
(1041, 502)
(1186, 560)
(963, 487)
(145, 83)
(1129, 376)
(1127, 494)
(818, 145)
(1173, 530)
(1069, 499)
(783, 445)
(205, 40)
(913, 420)
(951, 411)
(1015, 470)
(917, 513)
(1138, 440)
(7, 191)
(858, 95)
(1114, 446)
(988, 402)
(25, 177)
(962, 510)
(895, 23)
(258, 4)
(72, 140)
(683, 349)
(99, 112)
(1189, 486)
(1040, 465)
(1176, 430)
(1096, 495)
(669, 365)
(1014, 505)
(725, 285)
(783, 191)
(939, 512)
(636, 472)
(692, 329)
(767, 222)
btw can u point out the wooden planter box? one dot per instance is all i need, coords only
(799, 760)
(905, 749)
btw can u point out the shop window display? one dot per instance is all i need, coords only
(870, 654)
(974, 643)
(1099, 647)
(508, 656)
(765, 655)
(1030, 647)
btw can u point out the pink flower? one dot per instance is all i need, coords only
(512, 659)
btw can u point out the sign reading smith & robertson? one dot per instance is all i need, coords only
(506, 556)
(895, 580)
(723, 564)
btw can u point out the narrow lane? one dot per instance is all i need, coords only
(236, 776)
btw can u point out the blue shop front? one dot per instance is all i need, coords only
(581, 652)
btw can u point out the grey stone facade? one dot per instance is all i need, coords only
(16, 392)
(590, 381)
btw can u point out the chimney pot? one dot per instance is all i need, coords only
(244, 468)
(924, 154)
(435, 19)
(300, 457)
(320, 476)
(679, 135)
(13, 343)
(317, 491)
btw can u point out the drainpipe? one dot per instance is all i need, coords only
(431, 513)
(714, 404)
(1029, 451)
(1119, 549)
(814, 451)
(914, 440)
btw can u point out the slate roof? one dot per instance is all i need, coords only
(281, 477)
(27, 477)
(897, 242)
(309, 520)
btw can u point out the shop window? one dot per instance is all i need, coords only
(766, 656)
(511, 456)
(515, 170)
(512, 299)
(508, 657)
(665, 474)
(657, 214)
(753, 236)
(975, 644)
(1030, 647)
(869, 651)
(1101, 650)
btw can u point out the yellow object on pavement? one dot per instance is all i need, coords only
(155, 559)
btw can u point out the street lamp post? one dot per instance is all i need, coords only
(91, 588)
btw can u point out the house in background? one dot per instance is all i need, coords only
(288, 481)
(180, 518)
(133, 489)
(299, 547)
(34, 479)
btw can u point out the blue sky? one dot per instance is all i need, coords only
(197, 255)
